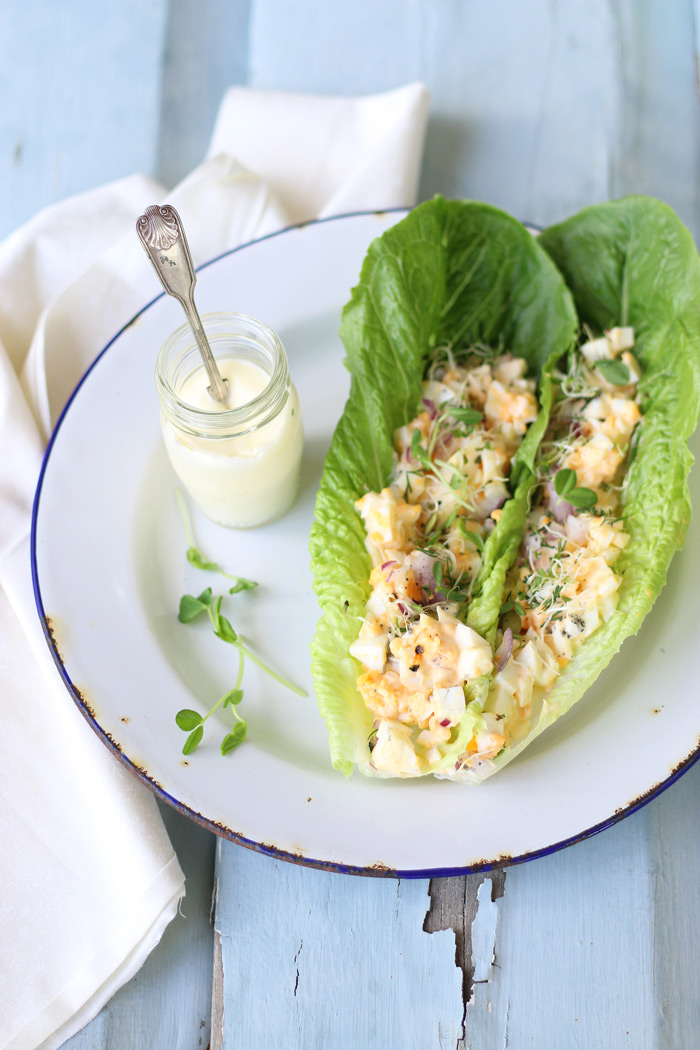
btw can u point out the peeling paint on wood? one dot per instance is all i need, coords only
(484, 930)
(573, 951)
(454, 905)
(315, 959)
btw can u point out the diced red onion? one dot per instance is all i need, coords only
(559, 507)
(541, 557)
(492, 501)
(387, 564)
(431, 407)
(504, 650)
(445, 722)
(422, 565)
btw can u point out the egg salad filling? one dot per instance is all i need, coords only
(563, 585)
(425, 533)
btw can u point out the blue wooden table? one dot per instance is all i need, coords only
(539, 108)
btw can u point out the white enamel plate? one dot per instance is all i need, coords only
(109, 569)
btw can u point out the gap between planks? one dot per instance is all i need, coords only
(454, 903)
(217, 996)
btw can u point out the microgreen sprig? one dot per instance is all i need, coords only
(464, 414)
(510, 605)
(470, 535)
(191, 721)
(191, 607)
(431, 466)
(566, 488)
(199, 561)
(614, 372)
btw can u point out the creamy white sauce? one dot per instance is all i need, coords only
(238, 481)
(245, 381)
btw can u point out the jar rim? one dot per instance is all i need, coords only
(243, 418)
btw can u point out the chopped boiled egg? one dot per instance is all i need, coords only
(597, 350)
(513, 407)
(595, 461)
(620, 339)
(393, 751)
(389, 522)
(370, 647)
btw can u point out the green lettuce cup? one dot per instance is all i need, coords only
(451, 273)
(633, 263)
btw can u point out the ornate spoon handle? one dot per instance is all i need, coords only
(162, 234)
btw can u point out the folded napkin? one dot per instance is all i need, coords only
(88, 878)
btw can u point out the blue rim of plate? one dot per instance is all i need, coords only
(219, 829)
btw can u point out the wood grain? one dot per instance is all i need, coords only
(672, 831)
(523, 104)
(656, 151)
(80, 89)
(317, 960)
(206, 51)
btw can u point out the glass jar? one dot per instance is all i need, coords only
(240, 459)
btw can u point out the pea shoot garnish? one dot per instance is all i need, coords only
(464, 414)
(615, 372)
(566, 489)
(198, 560)
(512, 605)
(470, 535)
(191, 721)
(191, 607)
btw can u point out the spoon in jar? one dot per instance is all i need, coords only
(162, 234)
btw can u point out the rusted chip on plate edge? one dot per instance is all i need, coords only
(50, 634)
(648, 795)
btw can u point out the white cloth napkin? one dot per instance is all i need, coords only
(88, 879)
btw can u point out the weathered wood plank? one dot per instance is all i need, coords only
(573, 951)
(673, 832)
(454, 905)
(540, 113)
(523, 114)
(539, 109)
(656, 151)
(317, 960)
(206, 51)
(84, 83)
(167, 1005)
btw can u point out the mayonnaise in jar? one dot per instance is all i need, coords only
(238, 459)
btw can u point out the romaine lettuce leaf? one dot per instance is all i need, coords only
(450, 273)
(632, 262)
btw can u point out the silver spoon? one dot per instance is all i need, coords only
(163, 236)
